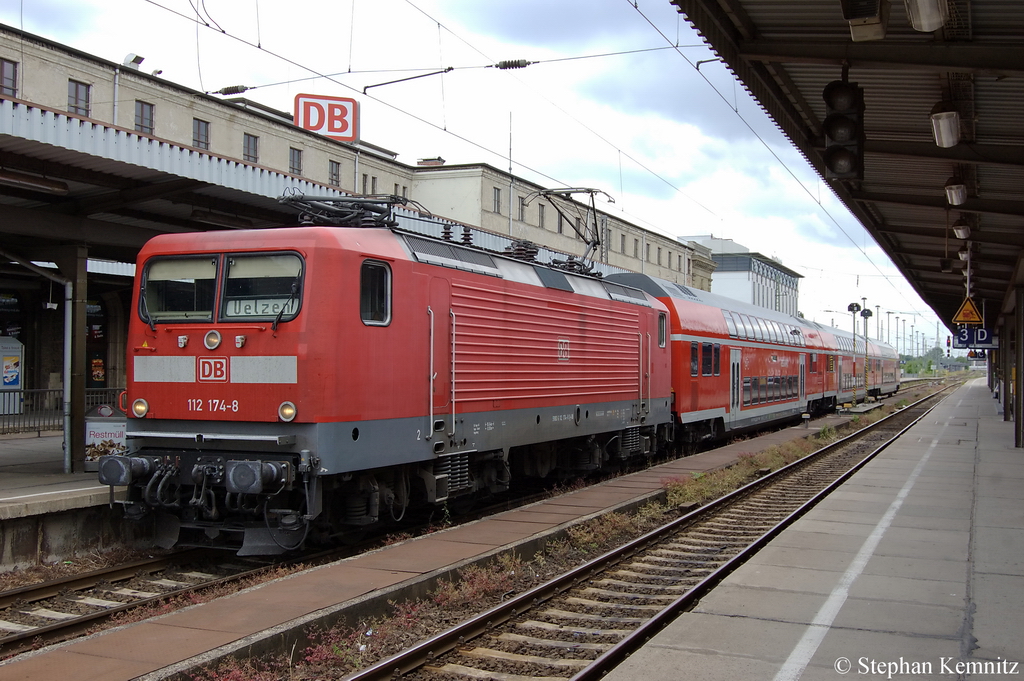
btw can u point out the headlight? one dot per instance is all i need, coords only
(212, 339)
(140, 407)
(286, 412)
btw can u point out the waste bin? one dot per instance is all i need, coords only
(104, 434)
(12, 395)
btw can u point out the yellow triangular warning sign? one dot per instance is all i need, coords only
(968, 313)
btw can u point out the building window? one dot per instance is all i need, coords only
(200, 133)
(375, 294)
(405, 192)
(334, 173)
(144, 113)
(9, 78)
(366, 184)
(540, 215)
(647, 252)
(659, 256)
(561, 223)
(497, 201)
(250, 148)
(294, 161)
(522, 209)
(78, 98)
(622, 244)
(373, 185)
(396, 190)
(636, 248)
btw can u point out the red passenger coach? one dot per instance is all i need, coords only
(737, 366)
(292, 384)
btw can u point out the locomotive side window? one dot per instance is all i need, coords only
(662, 330)
(179, 289)
(262, 286)
(375, 293)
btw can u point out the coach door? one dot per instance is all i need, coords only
(803, 379)
(735, 385)
(441, 355)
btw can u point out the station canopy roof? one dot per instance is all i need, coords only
(785, 53)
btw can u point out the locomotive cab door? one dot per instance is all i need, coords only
(441, 355)
(735, 385)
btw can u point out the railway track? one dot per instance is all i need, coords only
(53, 611)
(585, 622)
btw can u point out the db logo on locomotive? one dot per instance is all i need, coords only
(213, 369)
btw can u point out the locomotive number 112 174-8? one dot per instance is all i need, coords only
(198, 404)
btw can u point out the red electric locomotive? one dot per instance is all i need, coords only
(296, 383)
(737, 366)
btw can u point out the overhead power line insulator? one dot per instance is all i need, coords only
(513, 64)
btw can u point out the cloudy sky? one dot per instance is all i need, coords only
(620, 98)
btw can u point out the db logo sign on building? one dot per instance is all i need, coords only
(334, 117)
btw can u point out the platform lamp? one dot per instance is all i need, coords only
(945, 125)
(962, 229)
(854, 308)
(927, 15)
(956, 191)
(866, 314)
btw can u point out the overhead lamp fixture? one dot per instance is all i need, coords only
(956, 191)
(945, 125)
(26, 181)
(961, 229)
(965, 252)
(868, 19)
(927, 15)
(945, 265)
(133, 60)
(221, 220)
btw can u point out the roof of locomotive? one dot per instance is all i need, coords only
(402, 245)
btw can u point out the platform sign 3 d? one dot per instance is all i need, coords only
(334, 117)
(968, 313)
(975, 338)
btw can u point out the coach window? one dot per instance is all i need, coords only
(262, 286)
(746, 392)
(662, 330)
(694, 358)
(178, 289)
(375, 293)
(729, 322)
(706, 361)
(718, 359)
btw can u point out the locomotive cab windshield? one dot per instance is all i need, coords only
(264, 286)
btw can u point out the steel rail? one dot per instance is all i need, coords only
(426, 650)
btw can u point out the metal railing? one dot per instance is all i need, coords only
(35, 411)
